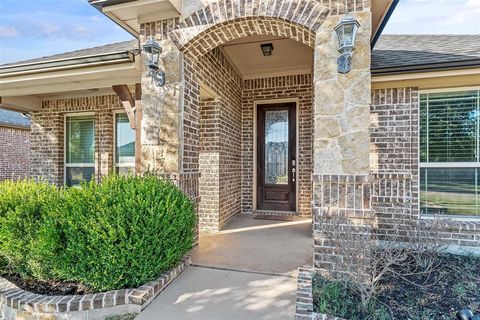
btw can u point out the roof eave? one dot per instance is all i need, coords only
(384, 22)
(68, 63)
(466, 64)
(100, 4)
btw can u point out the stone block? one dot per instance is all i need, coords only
(328, 127)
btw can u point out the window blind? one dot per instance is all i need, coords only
(450, 153)
(80, 140)
(80, 149)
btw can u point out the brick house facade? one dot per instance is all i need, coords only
(14, 146)
(357, 152)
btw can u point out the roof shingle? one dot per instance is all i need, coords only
(13, 119)
(390, 50)
(413, 50)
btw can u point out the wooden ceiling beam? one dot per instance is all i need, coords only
(125, 96)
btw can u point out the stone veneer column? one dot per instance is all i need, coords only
(162, 111)
(167, 122)
(341, 183)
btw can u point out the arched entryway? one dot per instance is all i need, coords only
(240, 92)
(203, 117)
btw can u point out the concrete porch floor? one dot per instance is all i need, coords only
(247, 271)
(265, 246)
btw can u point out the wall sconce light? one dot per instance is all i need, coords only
(267, 49)
(152, 51)
(346, 32)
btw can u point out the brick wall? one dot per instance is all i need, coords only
(220, 142)
(394, 151)
(286, 87)
(14, 153)
(47, 136)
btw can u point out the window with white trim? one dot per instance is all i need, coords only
(450, 153)
(124, 145)
(80, 149)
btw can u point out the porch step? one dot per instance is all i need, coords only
(274, 215)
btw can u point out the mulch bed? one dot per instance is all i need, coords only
(454, 287)
(48, 287)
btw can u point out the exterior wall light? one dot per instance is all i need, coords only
(267, 49)
(152, 51)
(346, 32)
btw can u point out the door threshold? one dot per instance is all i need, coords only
(275, 212)
(274, 215)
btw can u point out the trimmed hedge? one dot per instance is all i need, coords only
(116, 234)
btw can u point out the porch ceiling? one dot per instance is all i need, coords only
(288, 57)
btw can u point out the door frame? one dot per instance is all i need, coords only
(255, 111)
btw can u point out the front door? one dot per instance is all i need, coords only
(276, 156)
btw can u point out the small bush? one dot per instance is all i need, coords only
(24, 208)
(119, 233)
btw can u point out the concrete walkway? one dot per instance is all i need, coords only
(247, 271)
(211, 294)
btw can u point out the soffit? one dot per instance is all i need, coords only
(130, 15)
(379, 13)
(288, 57)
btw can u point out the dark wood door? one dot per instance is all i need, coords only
(276, 152)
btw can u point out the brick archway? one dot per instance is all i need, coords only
(225, 20)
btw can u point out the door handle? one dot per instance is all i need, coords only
(293, 174)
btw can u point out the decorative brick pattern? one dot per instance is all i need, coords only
(348, 195)
(15, 151)
(159, 29)
(345, 196)
(267, 89)
(221, 21)
(20, 304)
(47, 135)
(394, 117)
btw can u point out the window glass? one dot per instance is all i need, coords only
(80, 140)
(77, 175)
(80, 149)
(124, 144)
(450, 153)
(449, 191)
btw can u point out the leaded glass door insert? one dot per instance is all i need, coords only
(276, 151)
(276, 147)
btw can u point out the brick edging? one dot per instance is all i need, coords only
(18, 300)
(304, 300)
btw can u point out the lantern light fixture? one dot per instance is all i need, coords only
(267, 49)
(346, 32)
(152, 52)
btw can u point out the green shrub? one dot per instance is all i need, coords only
(119, 233)
(125, 231)
(24, 208)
